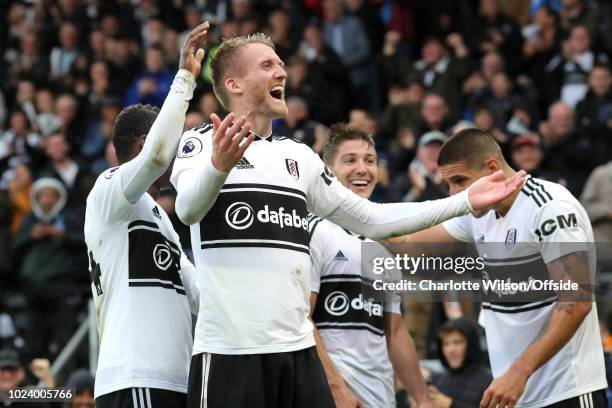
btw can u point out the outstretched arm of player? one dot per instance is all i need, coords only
(567, 315)
(343, 396)
(197, 188)
(162, 140)
(380, 221)
(404, 359)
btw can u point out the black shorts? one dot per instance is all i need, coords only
(595, 399)
(277, 380)
(142, 398)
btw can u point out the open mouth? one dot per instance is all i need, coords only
(277, 92)
(359, 183)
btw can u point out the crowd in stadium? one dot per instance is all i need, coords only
(535, 74)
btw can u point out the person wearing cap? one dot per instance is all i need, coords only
(527, 155)
(421, 182)
(82, 383)
(13, 374)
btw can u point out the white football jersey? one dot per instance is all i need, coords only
(251, 248)
(139, 289)
(544, 223)
(351, 323)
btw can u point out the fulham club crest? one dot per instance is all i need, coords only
(511, 237)
(292, 168)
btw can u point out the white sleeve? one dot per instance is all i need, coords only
(189, 276)
(329, 199)
(194, 177)
(460, 228)
(560, 229)
(317, 253)
(107, 199)
(162, 140)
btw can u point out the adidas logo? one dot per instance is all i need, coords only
(340, 257)
(156, 213)
(244, 164)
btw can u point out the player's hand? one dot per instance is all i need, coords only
(344, 398)
(439, 400)
(489, 190)
(505, 391)
(230, 141)
(191, 60)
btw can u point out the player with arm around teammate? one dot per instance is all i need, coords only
(545, 352)
(246, 195)
(143, 285)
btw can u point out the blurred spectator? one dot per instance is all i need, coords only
(19, 189)
(594, 112)
(541, 36)
(279, 30)
(208, 104)
(568, 71)
(109, 160)
(100, 132)
(527, 155)
(46, 119)
(402, 114)
(30, 62)
(484, 119)
(26, 93)
(597, 200)
(297, 124)
(172, 48)
(421, 181)
(19, 139)
(468, 377)
(501, 98)
(97, 45)
(124, 64)
(5, 246)
(324, 63)
(13, 374)
(369, 14)
(64, 168)
(101, 88)
(438, 70)
(314, 89)
(152, 86)
(83, 384)
(72, 124)
(64, 55)
(46, 245)
(346, 35)
(491, 64)
(566, 153)
(493, 31)
(578, 12)
(434, 114)
(152, 32)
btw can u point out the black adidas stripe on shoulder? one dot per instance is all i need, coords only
(279, 138)
(312, 223)
(203, 128)
(536, 191)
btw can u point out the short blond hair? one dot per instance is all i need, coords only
(224, 62)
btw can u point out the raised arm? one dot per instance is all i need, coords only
(198, 186)
(162, 140)
(329, 199)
